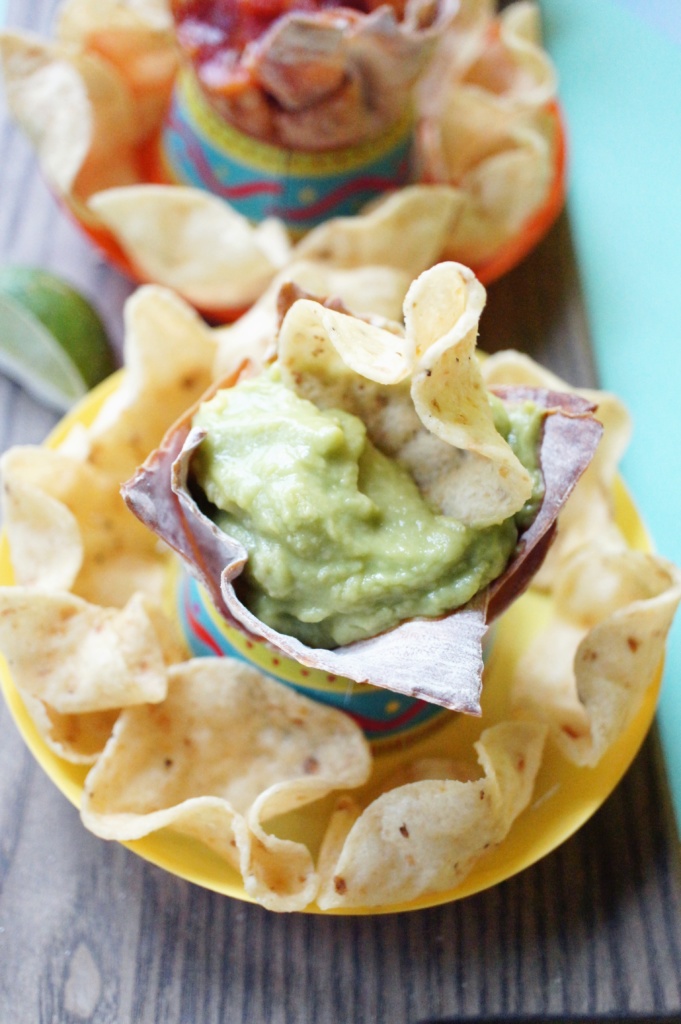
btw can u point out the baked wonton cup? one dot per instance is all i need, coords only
(419, 392)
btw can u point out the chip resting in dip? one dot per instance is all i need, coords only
(363, 503)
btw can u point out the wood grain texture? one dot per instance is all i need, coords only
(91, 933)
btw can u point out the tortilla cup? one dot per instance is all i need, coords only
(437, 660)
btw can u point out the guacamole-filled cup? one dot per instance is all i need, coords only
(363, 505)
(386, 718)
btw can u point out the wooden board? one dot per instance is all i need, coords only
(90, 933)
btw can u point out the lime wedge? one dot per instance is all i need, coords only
(52, 341)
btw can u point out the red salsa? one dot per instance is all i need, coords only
(213, 33)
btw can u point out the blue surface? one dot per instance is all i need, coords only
(619, 63)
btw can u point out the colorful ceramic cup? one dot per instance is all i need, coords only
(387, 718)
(260, 180)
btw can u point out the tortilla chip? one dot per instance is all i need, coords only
(517, 368)
(227, 750)
(312, 335)
(442, 310)
(136, 38)
(193, 242)
(501, 196)
(169, 354)
(68, 529)
(481, 119)
(75, 109)
(46, 547)
(77, 657)
(79, 738)
(587, 673)
(425, 837)
(370, 290)
(406, 230)
(485, 128)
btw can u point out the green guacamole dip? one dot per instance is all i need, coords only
(341, 544)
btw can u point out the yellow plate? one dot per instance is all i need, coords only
(565, 796)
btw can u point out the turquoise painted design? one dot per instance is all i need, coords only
(384, 716)
(260, 180)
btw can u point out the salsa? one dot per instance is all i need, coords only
(308, 75)
(209, 31)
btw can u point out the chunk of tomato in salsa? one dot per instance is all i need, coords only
(208, 28)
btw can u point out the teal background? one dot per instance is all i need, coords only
(619, 65)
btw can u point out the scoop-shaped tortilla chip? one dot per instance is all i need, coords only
(425, 836)
(442, 310)
(588, 671)
(406, 230)
(68, 529)
(77, 657)
(227, 750)
(372, 290)
(193, 242)
(349, 358)
(169, 353)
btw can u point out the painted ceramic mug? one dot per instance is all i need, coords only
(261, 180)
(386, 718)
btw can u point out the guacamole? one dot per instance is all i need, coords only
(341, 544)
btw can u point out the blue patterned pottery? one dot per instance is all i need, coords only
(260, 180)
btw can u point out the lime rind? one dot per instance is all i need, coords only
(65, 314)
(33, 357)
